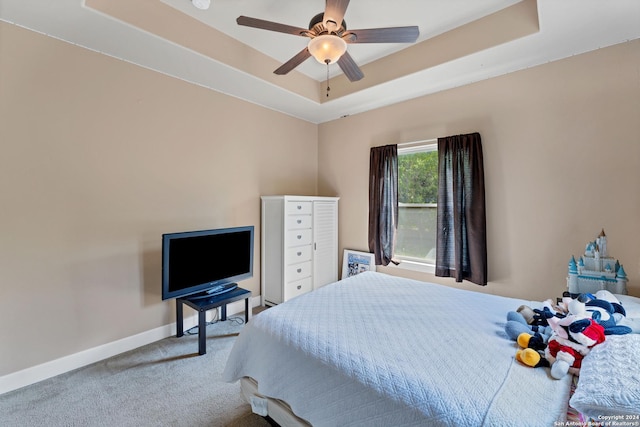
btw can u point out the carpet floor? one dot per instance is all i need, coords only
(165, 383)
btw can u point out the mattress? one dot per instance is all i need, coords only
(375, 349)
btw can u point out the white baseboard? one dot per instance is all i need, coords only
(68, 363)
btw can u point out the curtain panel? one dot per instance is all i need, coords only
(383, 202)
(461, 245)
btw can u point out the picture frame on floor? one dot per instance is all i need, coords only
(355, 262)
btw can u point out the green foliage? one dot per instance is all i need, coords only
(418, 177)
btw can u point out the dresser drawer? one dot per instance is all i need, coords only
(300, 208)
(298, 271)
(299, 287)
(298, 254)
(298, 237)
(296, 222)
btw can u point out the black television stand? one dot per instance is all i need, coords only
(202, 305)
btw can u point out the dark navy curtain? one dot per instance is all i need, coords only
(461, 245)
(383, 202)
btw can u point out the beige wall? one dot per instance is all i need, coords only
(100, 157)
(562, 160)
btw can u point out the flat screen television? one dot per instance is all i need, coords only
(196, 261)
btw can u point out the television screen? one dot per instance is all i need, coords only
(195, 261)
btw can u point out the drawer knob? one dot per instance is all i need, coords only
(299, 221)
(299, 253)
(299, 236)
(299, 207)
(299, 287)
(299, 270)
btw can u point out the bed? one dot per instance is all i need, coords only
(375, 349)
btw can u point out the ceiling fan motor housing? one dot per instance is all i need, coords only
(317, 25)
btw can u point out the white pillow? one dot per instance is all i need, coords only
(609, 382)
(631, 304)
(632, 308)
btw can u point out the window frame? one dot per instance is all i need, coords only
(410, 263)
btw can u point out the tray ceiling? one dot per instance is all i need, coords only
(461, 42)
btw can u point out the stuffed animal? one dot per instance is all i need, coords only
(572, 339)
(533, 321)
(629, 317)
(530, 329)
(536, 316)
(606, 309)
(517, 324)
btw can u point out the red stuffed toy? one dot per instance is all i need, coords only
(572, 339)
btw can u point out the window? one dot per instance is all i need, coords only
(417, 204)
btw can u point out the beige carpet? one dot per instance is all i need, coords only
(162, 384)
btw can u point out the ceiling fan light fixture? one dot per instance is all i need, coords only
(327, 48)
(201, 4)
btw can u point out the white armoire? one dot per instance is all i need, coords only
(299, 245)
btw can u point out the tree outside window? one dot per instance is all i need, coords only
(417, 203)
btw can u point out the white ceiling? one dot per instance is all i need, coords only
(431, 16)
(567, 27)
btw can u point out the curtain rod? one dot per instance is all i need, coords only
(402, 144)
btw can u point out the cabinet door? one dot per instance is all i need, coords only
(325, 243)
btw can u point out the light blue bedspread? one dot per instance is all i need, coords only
(380, 350)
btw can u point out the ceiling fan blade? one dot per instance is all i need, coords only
(334, 10)
(293, 62)
(350, 68)
(383, 35)
(271, 26)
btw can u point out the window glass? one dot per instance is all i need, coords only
(417, 202)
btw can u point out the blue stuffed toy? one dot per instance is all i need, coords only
(517, 324)
(606, 310)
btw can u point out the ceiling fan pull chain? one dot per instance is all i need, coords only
(328, 88)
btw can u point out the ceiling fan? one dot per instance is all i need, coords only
(329, 38)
